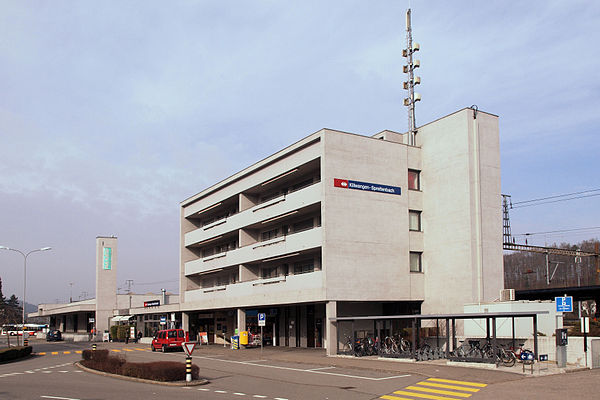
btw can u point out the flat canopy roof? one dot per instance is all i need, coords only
(516, 314)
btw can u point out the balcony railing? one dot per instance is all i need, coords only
(282, 289)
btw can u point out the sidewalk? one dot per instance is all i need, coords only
(318, 357)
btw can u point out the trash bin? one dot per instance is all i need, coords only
(235, 343)
(244, 338)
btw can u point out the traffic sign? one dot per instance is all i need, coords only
(564, 304)
(262, 319)
(188, 347)
(163, 320)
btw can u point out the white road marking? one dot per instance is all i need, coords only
(239, 394)
(317, 369)
(305, 370)
(204, 390)
(220, 391)
(46, 372)
(259, 396)
(63, 371)
(58, 398)
(280, 398)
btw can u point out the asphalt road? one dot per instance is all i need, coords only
(278, 375)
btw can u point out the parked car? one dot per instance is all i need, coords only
(169, 339)
(53, 336)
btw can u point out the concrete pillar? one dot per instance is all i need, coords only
(241, 320)
(330, 334)
(185, 322)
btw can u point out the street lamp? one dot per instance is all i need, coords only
(25, 255)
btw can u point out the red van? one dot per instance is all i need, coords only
(169, 339)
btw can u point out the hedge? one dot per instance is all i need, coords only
(13, 353)
(164, 371)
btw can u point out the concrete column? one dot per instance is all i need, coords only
(241, 320)
(185, 321)
(330, 334)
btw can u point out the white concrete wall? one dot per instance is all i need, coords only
(546, 323)
(366, 241)
(462, 222)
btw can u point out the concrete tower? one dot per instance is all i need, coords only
(106, 282)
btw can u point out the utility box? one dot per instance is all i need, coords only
(244, 338)
(561, 337)
(596, 353)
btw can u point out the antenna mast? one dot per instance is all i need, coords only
(413, 80)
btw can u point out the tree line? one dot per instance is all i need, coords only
(10, 309)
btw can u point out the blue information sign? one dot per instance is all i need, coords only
(564, 304)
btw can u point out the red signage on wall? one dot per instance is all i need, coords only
(343, 183)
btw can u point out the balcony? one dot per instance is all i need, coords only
(283, 289)
(260, 212)
(312, 238)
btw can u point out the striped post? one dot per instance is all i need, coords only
(94, 347)
(188, 369)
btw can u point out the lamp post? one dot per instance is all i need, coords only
(25, 255)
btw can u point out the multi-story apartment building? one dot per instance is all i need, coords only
(340, 225)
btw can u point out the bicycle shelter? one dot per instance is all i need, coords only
(383, 324)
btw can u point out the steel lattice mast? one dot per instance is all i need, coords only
(413, 80)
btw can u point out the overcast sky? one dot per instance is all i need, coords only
(112, 112)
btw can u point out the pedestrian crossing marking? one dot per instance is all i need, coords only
(442, 386)
(66, 352)
(42, 354)
(137, 348)
(116, 350)
(431, 389)
(438, 391)
(54, 353)
(127, 350)
(476, 384)
(421, 395)
(78, 351)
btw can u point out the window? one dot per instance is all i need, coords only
(414, 179)
(416, 264)
(268, 235)
(303, 225)
(414, 220)
(269, 272)
(303, 267)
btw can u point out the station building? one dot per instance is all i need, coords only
(341, 225)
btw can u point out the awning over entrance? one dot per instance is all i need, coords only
(121, 318)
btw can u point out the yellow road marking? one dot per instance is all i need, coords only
(421, 395)
(127, 350)
(137, 348)
(78, 351)
(43, 353)
(387, 397)
(437, 391)
(66, 352)
(116, 351)
(54, 353)
(458, 382)
(439, 385)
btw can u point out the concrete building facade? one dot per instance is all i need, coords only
(340, 224)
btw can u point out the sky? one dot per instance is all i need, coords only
(112, 112)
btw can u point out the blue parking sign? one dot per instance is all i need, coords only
(262, 318)
(564, 304)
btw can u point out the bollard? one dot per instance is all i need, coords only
(94, 347)
(188, 369)
(26, 342)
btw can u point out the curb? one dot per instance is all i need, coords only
(132, 379)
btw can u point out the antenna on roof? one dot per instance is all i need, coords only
(413, 80)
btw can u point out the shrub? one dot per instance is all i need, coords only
(13, 353)
(122, 332)
(113, 332)
(164, 371)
